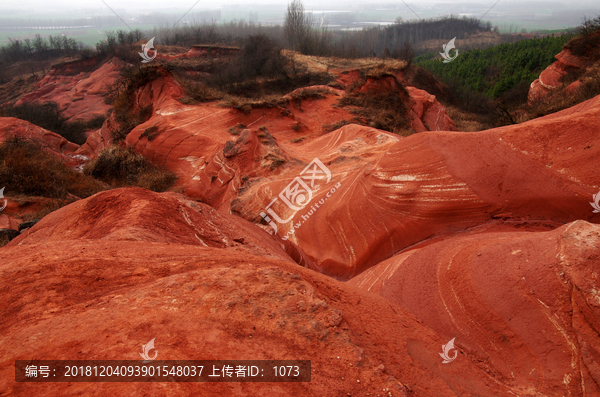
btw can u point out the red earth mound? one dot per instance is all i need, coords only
(428, 113)
(9, 222)
(157, 94)
(12, 127)
(190, 140)
(551, 78)
(167, 218)
(525, 305)
(434, 183)
(103, 276)
(77, 93)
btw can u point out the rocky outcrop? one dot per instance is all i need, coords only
(425, 113)
(159, 93)
(428, 113)
(552, 77)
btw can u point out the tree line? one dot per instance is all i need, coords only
(40, 48)
(32, 52)
(396, 40)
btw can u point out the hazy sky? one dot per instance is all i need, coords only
(556, 14)
(40, 5)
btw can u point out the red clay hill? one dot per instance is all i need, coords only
(524, 304)
(77, 87)
(297, 234)
(99, 278)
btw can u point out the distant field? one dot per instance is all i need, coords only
(87, 36)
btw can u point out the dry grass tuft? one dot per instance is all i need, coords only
(389, 67)
(338, 125)
(237, 129)
(121, 167)
(385, 109)
(196, 93)
(465, 121)
(17, 87)
(151, 133)
(26, 168)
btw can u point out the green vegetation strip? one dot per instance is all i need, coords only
(496, 70)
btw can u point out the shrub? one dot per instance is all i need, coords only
(151, 133)
(259, 57)
(48, 116)
(237, 129)
(297, 127)
(405, 53)
(385, 109)
(198, 92)
(26, 168)
(588, 40)
(309, 93)
(120, 167)
(122, 93)
(338, 125)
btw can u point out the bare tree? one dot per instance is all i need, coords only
(40, 45)
(297, 26)
(589, 26)
(405, 53)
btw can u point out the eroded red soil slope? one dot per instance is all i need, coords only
(525, 304)
(79, 94)
(437, 182)
(94, 288)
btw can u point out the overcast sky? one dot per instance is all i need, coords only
(40, 5)
(556, 14)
